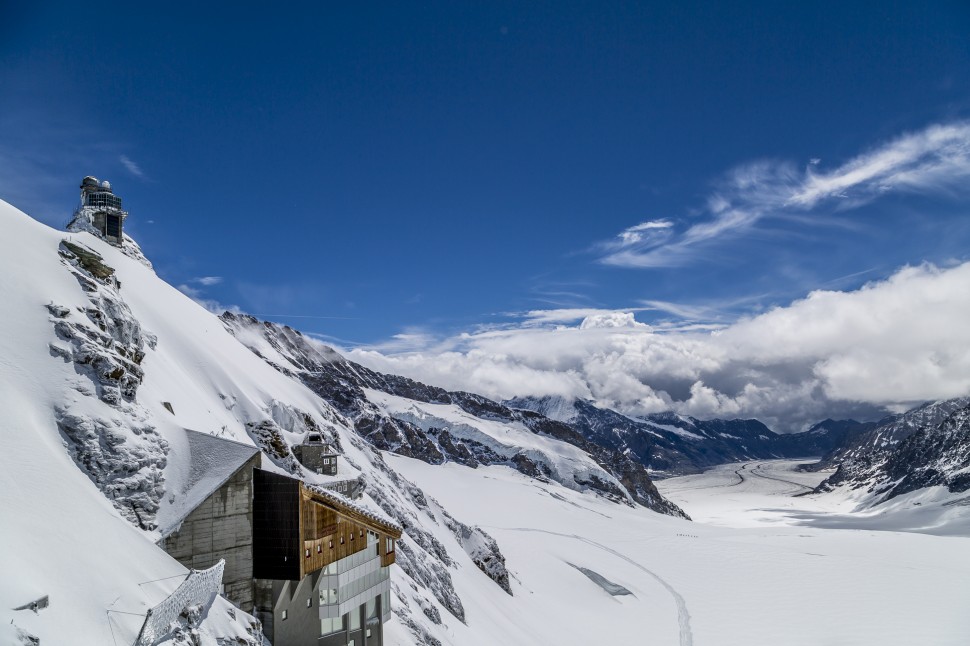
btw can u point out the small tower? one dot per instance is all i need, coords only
(316, 455)
(99, 211)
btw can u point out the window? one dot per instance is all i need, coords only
(284, 615)
(341, 540)
(350, 643)
(309, 603)
(308, 552)
(328, 626)
(354, 616)
(331, 544)
(319, 548)
(368, 633)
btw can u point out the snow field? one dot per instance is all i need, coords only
(767, 584)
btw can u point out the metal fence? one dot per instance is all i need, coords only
(198, 589)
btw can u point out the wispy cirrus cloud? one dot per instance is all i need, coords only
(649, 233)
(207, 281)
(131, 166)
(933, 160)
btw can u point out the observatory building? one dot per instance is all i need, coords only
(99, 211)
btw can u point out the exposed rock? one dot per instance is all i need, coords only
(930, 456)
(90, 260)
(127, 470)
(107, 345)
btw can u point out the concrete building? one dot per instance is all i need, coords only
(209, 516)
(309, 563)
(99, 211)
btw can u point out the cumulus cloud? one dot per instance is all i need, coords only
(535, 318)
(935, 159)
(889, 344)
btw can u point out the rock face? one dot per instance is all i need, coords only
(933, 455)
(879, 437)
(669, 444)
(343, 384)
(123, 454)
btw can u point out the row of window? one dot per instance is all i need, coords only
(102, 199)
(350, 562)
(332, 596)
(342, 542)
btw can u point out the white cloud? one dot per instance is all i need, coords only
(652, 232)
(210, 304)
(535, 318)
(132, 167)
(889, 344)
(936, 159)
(208, 281)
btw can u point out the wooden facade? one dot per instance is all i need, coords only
(332, 531)
(300, 530)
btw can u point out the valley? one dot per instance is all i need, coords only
(749, 569)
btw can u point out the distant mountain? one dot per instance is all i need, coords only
(862, 441)
(923, 447)
(669, 444)
(431, 424)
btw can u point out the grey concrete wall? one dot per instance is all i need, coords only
(222, 528)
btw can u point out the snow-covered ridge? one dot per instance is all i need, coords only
(474, 431)
(932, 453)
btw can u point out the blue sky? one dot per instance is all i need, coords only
(361, 171)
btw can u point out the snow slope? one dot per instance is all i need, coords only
(569, 465)
(697, 583)
(59, 536)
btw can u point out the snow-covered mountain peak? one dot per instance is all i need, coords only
(557, 407)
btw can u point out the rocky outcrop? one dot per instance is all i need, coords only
(121, 452)
(870, 444)
(934, 455)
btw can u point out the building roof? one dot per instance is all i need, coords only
(377, 521)
(206, 462)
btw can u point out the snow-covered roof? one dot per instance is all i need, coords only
(207, 462)
(342, 503)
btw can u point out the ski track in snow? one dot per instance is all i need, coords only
(757, 473)
(683, 615)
